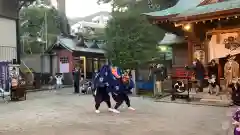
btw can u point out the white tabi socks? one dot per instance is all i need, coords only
(97, 111)
(113, 110)
(110, 110)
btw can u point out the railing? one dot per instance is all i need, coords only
(29, 70)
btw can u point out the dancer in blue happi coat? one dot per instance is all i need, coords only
(102, 81)
(123, 87)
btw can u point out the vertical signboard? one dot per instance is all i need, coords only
(4, 75)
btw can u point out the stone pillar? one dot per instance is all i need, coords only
(134, 91)
(55, 64)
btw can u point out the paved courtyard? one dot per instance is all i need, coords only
(62, 113)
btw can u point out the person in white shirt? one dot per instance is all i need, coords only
(58, 81)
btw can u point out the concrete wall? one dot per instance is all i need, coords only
(32, 61)
(7, 38)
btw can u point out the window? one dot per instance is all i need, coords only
(102, 62)
(64, 60)
(95, 64)
(89, 66)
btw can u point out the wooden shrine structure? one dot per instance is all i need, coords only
(201, 22)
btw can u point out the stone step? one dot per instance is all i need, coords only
(219, 101)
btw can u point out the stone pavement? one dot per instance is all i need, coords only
(62, 113)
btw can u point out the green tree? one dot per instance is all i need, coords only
(24, 3)
(142, 5)
(33, 27)
(131, 39)
(38, 23)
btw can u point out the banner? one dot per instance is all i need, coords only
(221, 45)
(4, 75)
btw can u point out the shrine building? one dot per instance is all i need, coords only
(210, 27)
(69, 52)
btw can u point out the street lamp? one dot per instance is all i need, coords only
(163, 48)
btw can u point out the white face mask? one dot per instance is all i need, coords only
(234, 81)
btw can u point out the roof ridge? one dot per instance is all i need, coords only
(176, 9)
(207, 2)
(220, 2)
(210, 8)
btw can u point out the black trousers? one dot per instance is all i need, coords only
(120, 98)
(101, 96)
(76, 87)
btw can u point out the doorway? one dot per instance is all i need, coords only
(83, 66)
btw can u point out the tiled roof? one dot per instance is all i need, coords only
(211, 8)
(170, 38)
(70, 44)
(180, 7)
(91, 44)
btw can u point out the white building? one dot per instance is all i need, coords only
(8, 35)
(99, 21)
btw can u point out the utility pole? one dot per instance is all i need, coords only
(46, 30)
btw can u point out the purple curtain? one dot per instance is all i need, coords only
(4, 75)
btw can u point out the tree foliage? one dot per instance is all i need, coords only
(24, 3)
(32, 21)
(40, 21)
(131, 39)
(142, 5)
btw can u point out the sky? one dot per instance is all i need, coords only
(81, 8)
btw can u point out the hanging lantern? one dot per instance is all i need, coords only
(187, 27)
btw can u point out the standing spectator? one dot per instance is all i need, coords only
(213, 70)
(199, 73)
(51, 82)
(58, 81)
(76, 78)
(94, 74)
(161, 74)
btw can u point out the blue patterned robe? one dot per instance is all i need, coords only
(105, 78)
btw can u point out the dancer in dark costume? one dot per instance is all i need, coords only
(123, 85)
(236, 120)
(101, 85)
